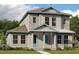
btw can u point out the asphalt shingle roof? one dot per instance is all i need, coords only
(19, 29)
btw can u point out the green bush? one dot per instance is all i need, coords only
(66, 47)
(6, 47)
(46, 49)
(59, 48)
(76, 46)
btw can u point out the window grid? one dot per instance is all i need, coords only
(59, 39)
(53, 21)
(47, 20)
(65, 39)
(15, 37)
(34, 19)
(63, 23)
(22, 39)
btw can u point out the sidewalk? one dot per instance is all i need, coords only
(42, 52)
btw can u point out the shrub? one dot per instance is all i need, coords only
(59, 48)
(76, 46)
(0, 47)
(68, 48)
(5, 47)
(18, 48)
(30, 49)
(46, 49)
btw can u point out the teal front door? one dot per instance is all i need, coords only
(34, 41)
(46, 38)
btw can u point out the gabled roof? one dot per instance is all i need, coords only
(41, 11)
(41, 28)
(44, 28)
(22, 29)
(47, 28)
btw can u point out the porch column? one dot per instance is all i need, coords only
(55, 42)
(62, 41)
(52, 40)
(30, 41)
(43, 40)
(40, 40)
(70, 40)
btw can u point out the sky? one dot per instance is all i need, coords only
(16, 11)
(60, 7)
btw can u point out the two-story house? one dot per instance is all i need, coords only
(42, 28)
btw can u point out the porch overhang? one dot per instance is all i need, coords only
(42, 31)
(47, 28)
(65, 31)
(44, 28)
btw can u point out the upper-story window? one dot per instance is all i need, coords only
(47, 20)
(34, 19)
(53, 21)
(63, 23)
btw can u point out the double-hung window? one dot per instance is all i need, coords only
(22, 39)
(59, 37)
(65, 39)
(53, 21)
(34, 19)
(47, 20)
(63, 23)
(15, 37)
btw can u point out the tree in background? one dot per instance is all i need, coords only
(6, 25)
(74, 25)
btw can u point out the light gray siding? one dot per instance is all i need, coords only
(31, 24)
(40, 19)
(10, 41)
(26, 22)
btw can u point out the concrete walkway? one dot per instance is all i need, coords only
(42, 52)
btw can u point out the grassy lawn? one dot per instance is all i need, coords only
(73, 51)
(17, 52)
(76, 51)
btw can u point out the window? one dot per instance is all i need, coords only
(47, 20)
(22, 39)
(65, 39)
(63, 22)
(15, 39)
(59, 39)
(53, 21)
(34, 19)
(34, 39)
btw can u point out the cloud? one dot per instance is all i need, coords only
(74, 13)
(14, 11)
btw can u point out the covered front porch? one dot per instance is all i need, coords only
(43, 40)
(50, 40)
(47, 37)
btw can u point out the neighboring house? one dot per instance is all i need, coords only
(42, 28)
